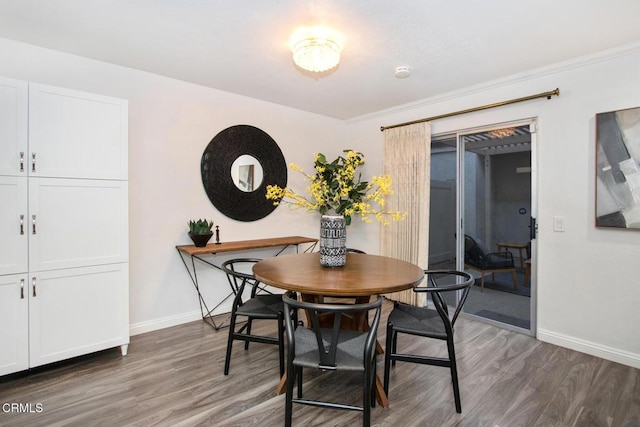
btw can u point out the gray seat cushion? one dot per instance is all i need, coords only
(262, 306)
(349, 353)
(418, 321)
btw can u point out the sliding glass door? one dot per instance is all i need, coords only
(483, 207)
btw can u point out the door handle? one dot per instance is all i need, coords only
(21, 288)
(21, 224)
(533, 228)
(33, 285)
(33, 223)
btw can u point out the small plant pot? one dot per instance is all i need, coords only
(200, 240)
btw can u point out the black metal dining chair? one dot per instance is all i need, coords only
(257, 306)
(330, 349)
(436, 323)
(355, 251)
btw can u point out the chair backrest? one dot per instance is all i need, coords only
(437, 289)
(238, 277)
(355, 251)
(327, 338)
(474, 254)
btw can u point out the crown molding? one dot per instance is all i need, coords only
(559, 67)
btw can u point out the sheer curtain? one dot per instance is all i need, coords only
(407, 158)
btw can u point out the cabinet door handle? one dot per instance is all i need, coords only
(33, 224)
(21, 224)
(21, 288)
(33, 285)
(22, 161)
(33, 162)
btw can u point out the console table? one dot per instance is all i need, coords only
(198, 253)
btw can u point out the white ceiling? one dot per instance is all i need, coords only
(241, 46)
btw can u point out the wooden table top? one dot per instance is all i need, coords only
(514, 245)
(242, 245)
(362, 275)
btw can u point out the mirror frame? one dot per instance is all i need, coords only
(215, 168)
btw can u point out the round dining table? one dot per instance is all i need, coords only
(361, 277)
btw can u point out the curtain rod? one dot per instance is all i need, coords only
(547, 95)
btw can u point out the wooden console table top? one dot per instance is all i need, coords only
(242, 245)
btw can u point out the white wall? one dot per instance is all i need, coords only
(588, 291)
(588, 295)
(170, 124)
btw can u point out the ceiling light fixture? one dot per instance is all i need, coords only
(316, 48)
(502, 133)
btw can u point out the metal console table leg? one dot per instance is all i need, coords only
(207, 315)
(205, 311)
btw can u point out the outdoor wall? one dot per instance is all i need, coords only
(511, 192)
(474, 196)
(588, 297)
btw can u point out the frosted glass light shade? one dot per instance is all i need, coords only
(317, 48)
(502, 133)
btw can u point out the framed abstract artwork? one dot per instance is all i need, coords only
(617, 170)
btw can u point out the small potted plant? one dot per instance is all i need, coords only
(200, 231)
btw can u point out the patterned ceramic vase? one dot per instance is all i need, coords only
(333, 241)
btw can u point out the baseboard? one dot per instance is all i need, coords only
(165, 322)
(588, 347)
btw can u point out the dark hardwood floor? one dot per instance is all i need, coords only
(173, 377)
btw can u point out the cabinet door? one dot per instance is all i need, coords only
(14, 323)
(78, 222)
(13, 127)
(76, 135)
(77, 311)
(13, 225)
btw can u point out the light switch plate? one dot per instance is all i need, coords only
(559, 223)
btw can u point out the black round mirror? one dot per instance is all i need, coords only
(230, 166)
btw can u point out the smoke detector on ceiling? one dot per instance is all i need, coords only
(402, 72)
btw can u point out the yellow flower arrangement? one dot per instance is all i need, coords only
(335, 187)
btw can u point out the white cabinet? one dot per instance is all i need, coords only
(13, 126)
(13, 225)
(76, 222)
(77, 311)
(76, 135)
(14, 323)
(64, 224)
(54, 315)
